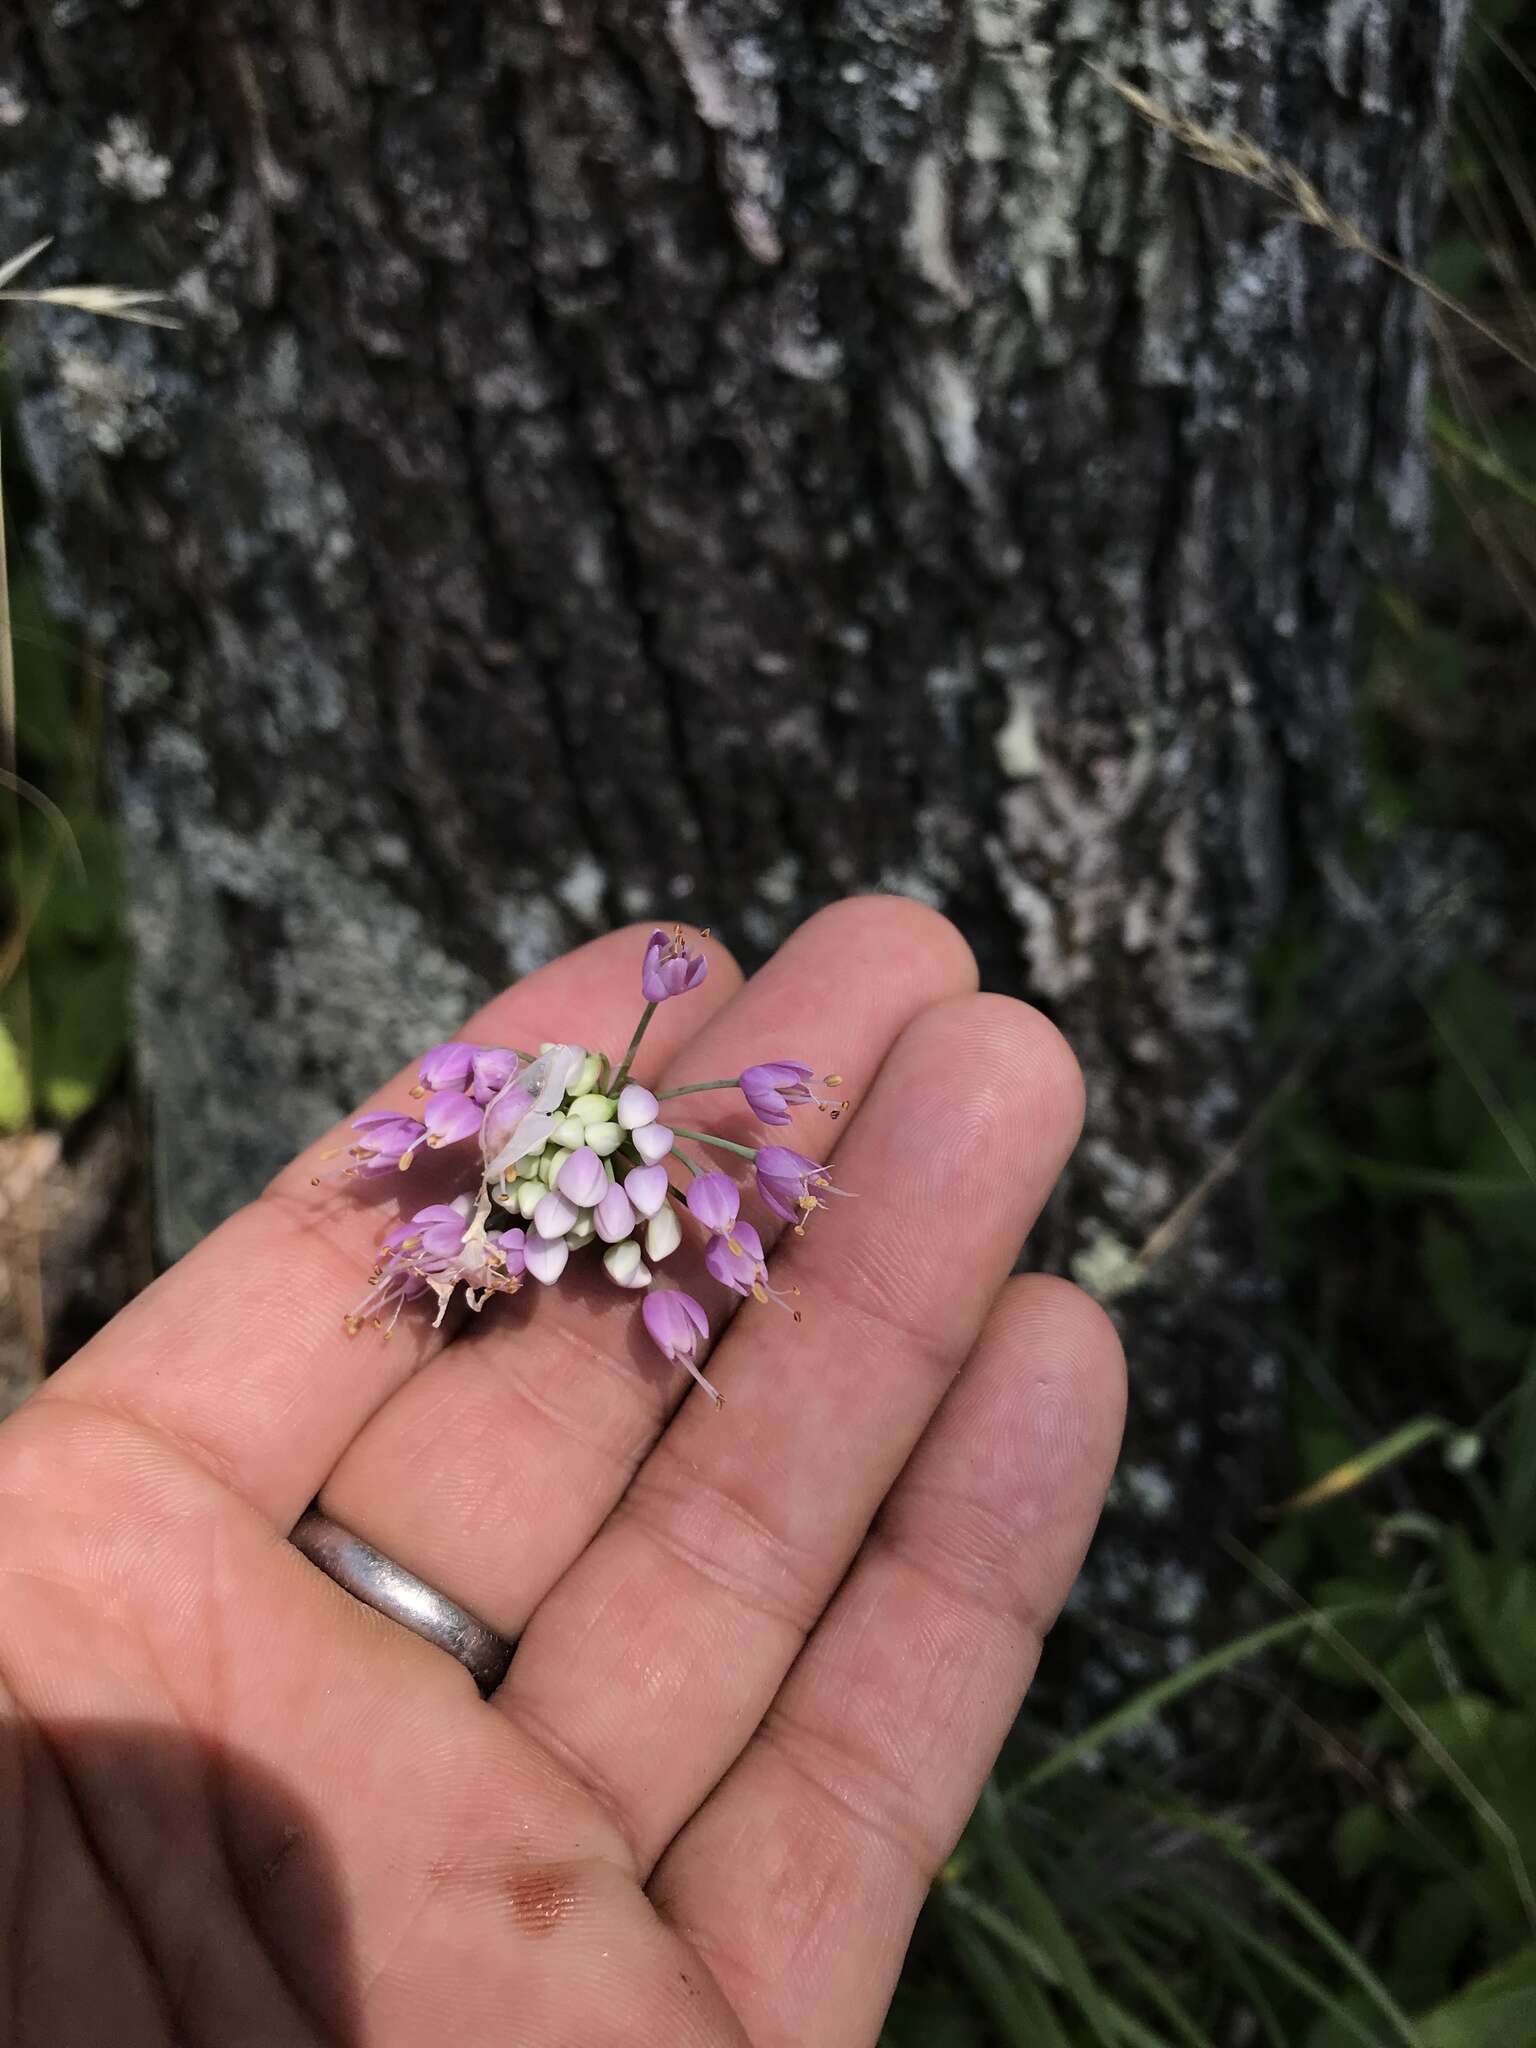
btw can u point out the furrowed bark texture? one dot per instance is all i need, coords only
(707, 456)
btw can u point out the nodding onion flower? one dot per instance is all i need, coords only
(564, 1150)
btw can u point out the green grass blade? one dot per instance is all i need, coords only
(1153, 1698)
(1248, 1983)
(1035, 1911)
(1516, 1516)
(1354, 1472)
(1152, 1988)
(1296, 1974)
(1017, 2006)
(1478, 455)
(1306, 1916)
(1393, 1177)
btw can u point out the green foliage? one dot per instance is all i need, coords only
(64, 1004)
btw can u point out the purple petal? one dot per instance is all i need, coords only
(647, 1188)
(545, 1257)
(377, 1119)
(669, 969)
(714, 1201)
(451, 1117)
(615, 1213)
(555, 1215)
(494, 1067)
(448, 1065)
(582, 1178)
(733, 1269)
(510, 1244)
(675, 1323)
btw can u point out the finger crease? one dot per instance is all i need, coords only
(580, 1774)
(1016, 1611)
(796, 1744)
(797, 1612)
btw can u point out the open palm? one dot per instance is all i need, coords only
(766, 1654)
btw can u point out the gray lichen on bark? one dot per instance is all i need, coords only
(637, 456)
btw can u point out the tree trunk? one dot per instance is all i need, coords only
(636, 457)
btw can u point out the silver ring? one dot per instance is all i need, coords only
(368, 1575)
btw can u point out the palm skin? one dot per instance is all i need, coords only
(766, 1655)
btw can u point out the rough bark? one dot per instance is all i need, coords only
(706, 456)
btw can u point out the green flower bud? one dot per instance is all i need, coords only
(528, 1194)
(663, 1234)
(604, 1138)
(593, 1109)
(568, 1133)
(552, 1162)
(624, 1264)
(584, 1080)
(582, 1231)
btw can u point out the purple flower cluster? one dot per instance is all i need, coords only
(579, 1155)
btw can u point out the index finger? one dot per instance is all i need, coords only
(239, 1353)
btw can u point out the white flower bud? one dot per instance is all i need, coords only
(546, 1257)
(555, 1215)
(604, 1138)
(663, 1234)
(625, 1266)
(637, 1106)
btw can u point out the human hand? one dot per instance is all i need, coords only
(766, 1655)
